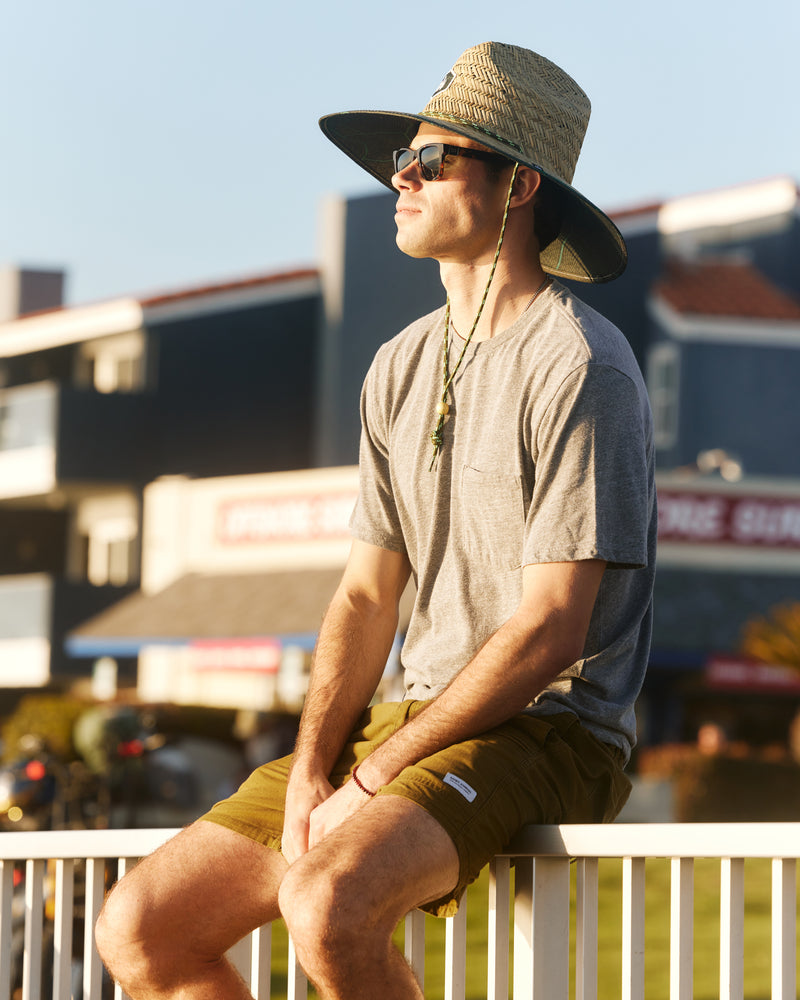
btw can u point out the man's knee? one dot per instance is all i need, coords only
(121, 931)
(307, 900)
(360, 881)
(323, 909)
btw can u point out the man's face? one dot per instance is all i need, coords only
(457, 218)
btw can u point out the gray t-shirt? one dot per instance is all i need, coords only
(547, 456)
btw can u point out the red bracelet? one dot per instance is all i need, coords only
(358, 784)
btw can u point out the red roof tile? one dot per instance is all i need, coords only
(230, 286)
(194, 292)
(724, 288)
(624, 214)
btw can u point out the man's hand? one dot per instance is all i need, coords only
(335, 810)
(303, 796)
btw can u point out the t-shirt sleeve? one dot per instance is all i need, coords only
(375, 518)
(590, 493)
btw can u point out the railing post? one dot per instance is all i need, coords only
(541, 928)
(523, 928)
(633, 929)
(6, 928)
(261, 962)
(92, 966)
(731, 929)
(297, 985)
(414, 944)
(586, 883)
(499, 899)
(62, 937)
(124, 865)
(455, 983)
(783, 928)
(240, 955)
(681, 928)
(34, 915)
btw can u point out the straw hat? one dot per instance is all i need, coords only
(518, 104)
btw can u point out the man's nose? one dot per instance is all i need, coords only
(408, 177)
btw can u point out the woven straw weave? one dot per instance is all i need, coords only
(520, 98)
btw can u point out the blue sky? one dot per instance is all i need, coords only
(158, 144)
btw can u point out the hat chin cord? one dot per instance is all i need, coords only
(443, 407)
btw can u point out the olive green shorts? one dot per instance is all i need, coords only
(532, 769)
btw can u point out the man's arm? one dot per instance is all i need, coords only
(354, 643)
(545, 635)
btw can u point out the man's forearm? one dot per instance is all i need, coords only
(517, 663)
(496, 685)
(354, 643)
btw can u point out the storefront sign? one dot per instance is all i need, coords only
(262, 520)
(260, 655)
(732, 674)
(733, 520)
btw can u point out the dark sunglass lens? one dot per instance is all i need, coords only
(430, 161)
(403, 158)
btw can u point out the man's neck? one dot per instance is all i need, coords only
(511, 292)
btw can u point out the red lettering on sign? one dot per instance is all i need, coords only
(766, 522)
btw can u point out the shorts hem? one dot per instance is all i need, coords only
(252, 832)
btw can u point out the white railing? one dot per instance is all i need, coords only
(67, 872)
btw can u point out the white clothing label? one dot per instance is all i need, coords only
(466, 790)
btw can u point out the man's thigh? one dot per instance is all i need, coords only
(203, 890)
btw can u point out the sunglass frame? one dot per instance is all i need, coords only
(431, 173)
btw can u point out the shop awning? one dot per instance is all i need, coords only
(287, 605)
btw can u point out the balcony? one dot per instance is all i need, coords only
(543, 905)
(51, 434)
(27, 440)
(36, 612)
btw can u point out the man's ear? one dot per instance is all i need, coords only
(526, 184)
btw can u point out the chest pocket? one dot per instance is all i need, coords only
(493, 517)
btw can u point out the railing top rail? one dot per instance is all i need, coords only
(19, 846)
(615, 840)
(668, 840)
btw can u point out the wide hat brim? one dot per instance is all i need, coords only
(588, 247)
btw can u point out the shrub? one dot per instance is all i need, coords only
(727, 789)
(50, 717)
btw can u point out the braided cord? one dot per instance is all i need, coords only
(443, 407)
(473, 125)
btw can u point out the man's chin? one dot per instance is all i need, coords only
(411, 249)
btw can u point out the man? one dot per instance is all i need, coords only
(507, 464)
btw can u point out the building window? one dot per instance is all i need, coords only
(113, 364)
(663, 378)
(106, 545)
(111, 555)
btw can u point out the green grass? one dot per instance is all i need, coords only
(757, 935)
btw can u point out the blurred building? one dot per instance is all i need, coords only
(236, 575)
(97, 401)
(263, 376)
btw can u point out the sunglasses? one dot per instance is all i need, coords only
(430, 158)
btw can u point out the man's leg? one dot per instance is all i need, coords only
(343, 900)
(166, 925)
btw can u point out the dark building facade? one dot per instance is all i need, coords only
(97, 401)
